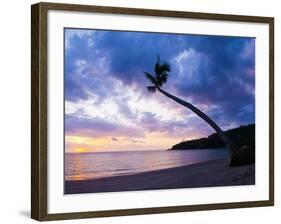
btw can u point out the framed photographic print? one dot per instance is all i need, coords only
(138, 111)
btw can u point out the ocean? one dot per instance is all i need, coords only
(83, 166)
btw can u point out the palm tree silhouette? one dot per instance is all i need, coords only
(239, 155)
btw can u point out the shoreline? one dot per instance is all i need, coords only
(212, 173)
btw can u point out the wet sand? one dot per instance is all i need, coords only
(208, 174)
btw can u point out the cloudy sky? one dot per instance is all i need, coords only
(107, 105)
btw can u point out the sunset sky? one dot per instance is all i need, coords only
(107, 105)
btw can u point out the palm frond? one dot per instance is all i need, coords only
(164, 68)
(150, 78)
(163, 78)
(161, 75)
(157, 66)
(151, 89)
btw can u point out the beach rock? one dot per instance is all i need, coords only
(242, 155)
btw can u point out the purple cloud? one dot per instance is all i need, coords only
(216, 73)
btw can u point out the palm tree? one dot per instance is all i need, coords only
(239, 155)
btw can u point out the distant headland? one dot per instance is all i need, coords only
(243, 135)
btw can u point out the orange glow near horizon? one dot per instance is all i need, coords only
(80, 150)
(151, 141)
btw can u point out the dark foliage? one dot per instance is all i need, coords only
(243, 135)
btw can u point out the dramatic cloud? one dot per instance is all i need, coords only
(107, 99)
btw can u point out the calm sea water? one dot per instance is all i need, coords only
(82, 166)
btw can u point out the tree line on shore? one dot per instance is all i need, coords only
(243, 135)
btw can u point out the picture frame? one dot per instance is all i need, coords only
(41, 86)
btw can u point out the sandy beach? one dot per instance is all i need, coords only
(211, 173)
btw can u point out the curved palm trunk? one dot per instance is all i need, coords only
(229, 144)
